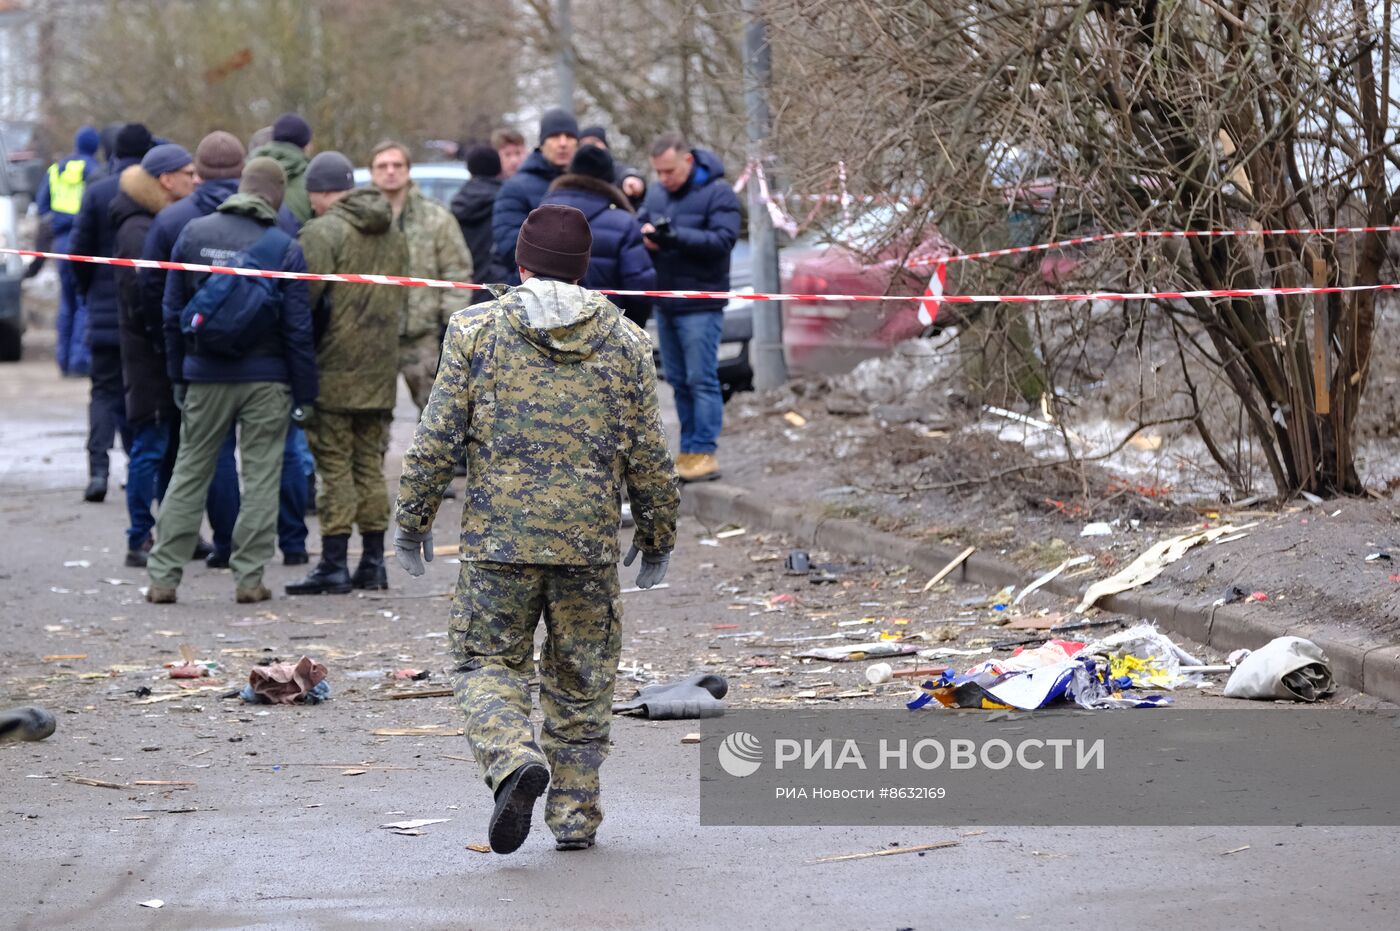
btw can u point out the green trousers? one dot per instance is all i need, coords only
(349, 450)
(262, 410)
(492, 634)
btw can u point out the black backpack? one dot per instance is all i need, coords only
(231, 314)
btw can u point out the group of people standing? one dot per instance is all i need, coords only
(674, 235)
(542, 392)
(313, 377)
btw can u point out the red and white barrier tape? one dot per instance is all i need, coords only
(1150, 234)
(408, 281)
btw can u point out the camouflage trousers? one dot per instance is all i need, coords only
(418, 361)
(349, 450)
(492, 634)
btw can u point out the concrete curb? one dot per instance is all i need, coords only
(1367, 665)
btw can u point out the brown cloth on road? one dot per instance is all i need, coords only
(284, 683)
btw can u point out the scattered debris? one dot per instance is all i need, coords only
(152, 903)
(417, 823)
(798, 562)
(1284, 668)
(692, 738)
(1096, 529)
(60, 657)
(795, 419)
(1235, 850)
(859, 651)
(731, 533)
(892, 851)
(1151, 562)
(28, 722)
(879, 673)
(479, 848)
(947, 570)
(655, 588)
(1048, 577)
(422, 730)
(286, 683)
(419, 693)
(699, 696)
(98, 783)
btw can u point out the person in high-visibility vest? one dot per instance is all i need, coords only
(59, 198)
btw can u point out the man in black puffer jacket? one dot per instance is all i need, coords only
(527, 187)
(258, 389)
(165, 175)
(472, 207)
(691, 222)
(94, 234)
(619, 260)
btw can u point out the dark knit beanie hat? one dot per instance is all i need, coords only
(165, 158)
(264, 178)
(219, 155)
(558, 121)
(594, 132)
(329, 171)
(483, 161)
(594, 162)
(554, 242)
(290, 127)
(133, 141)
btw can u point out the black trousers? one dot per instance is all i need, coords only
(106, 408)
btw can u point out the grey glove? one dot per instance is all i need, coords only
(180, 392)
(411, 549)
(653, 566)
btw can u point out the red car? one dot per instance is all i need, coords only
(833, 336)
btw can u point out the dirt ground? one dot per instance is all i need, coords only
(888, 445)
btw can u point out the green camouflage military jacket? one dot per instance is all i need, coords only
(358, 352)
(436, 249)
(553, 423)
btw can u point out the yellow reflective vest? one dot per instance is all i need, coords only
(66, 186)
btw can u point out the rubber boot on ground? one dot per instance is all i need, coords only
(370, 573)
(332, 574)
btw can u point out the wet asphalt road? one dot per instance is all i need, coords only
(279, 824)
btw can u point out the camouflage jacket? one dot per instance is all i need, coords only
(357, 324)
(553, 422)
(436, 249)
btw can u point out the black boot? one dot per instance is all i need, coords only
(96, 490)
(331, 575)
(370, 572)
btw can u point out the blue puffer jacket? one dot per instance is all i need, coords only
(166, 228)
(519, 195)
(288, 354)
(619, 259)
(94, 234)
(704, 212)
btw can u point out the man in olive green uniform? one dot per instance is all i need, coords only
(356, 329)
(551, 394)
(436, 249)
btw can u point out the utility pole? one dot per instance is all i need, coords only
(766, 348)
(564, 65)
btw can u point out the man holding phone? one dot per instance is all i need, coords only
(690, 222)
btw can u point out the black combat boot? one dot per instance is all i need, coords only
(96, 490)
(370, 574)
(331, 575)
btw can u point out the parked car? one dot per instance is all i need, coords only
(438, 180)
(856, 258)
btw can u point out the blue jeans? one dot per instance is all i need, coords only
(70, 348)
(148, 475)
(690, 361)
(291, 500)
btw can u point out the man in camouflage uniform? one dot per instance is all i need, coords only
(436, 249)
(356, 328)
(551, 393)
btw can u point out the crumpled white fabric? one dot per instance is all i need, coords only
(549, 304)
(1285, 667)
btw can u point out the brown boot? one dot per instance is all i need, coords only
(700, 467)
(160, 595)
(247, 596)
